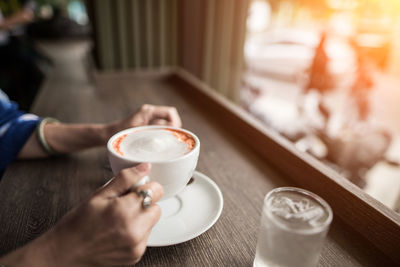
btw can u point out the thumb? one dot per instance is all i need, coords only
(159, 122)
(124, 181)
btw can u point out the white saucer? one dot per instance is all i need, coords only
(189, 214)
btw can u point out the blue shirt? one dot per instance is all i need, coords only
(15, 128)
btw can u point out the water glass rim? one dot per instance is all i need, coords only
(307, 193)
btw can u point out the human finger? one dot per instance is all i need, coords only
(124, 181)
(145, 221)
(150, 219)
(159, 122)
(136, 200)
(157, 190)
(175, 119)
(168, 113)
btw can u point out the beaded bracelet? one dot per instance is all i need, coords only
(40, 135)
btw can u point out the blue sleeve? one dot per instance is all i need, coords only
(15, 129)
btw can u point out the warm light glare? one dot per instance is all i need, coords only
(325, 74)
(259, 16)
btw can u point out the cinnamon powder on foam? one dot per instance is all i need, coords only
(181, 136)
(117, 144)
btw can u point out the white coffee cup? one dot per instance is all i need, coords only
(173, 174)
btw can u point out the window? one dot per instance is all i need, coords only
(325, 74)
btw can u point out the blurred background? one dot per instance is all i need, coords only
(323, 74)
(326, 75)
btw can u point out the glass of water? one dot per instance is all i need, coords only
(294, 224)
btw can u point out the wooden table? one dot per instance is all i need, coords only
(35, 194)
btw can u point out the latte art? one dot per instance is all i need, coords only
(154, 144)
(172, 152)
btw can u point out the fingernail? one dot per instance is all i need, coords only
(143, 167)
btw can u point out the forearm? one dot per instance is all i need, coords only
(66, 138)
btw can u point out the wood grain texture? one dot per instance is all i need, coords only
(35, 194)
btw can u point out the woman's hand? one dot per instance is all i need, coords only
(67, 138)
(148, 115)
(111, 228)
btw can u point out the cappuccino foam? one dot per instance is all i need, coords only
(154, 144)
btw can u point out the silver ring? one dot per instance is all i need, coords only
(147, 195)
